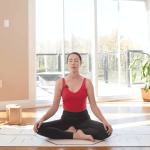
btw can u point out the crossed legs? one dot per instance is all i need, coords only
(79, 134)
(62, 129)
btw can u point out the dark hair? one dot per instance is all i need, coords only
(76, 54)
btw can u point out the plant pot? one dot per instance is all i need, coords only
(145, 95)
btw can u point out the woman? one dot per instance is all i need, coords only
(75, 122)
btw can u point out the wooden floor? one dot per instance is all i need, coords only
(117, 113)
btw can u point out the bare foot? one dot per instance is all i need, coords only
(71, 129)
(80, 135)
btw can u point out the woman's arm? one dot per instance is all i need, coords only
(49, 113)
(57, 97)
(91, 98)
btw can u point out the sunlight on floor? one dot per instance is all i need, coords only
(140, 123)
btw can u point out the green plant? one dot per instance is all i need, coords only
(144, 67)
(42, 70)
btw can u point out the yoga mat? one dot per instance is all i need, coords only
(25, 136)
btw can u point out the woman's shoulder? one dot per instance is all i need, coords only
(59, 82)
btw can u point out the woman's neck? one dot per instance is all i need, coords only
(73, 76)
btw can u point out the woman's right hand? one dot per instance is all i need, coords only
(37, 125)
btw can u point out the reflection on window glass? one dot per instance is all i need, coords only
(78, 32)
(48, 34)
(133, 25)
(133, 36)
(107, 21)
(107, 24)
(48, 47)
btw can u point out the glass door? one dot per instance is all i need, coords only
(48, 48)
(78, 33)
(122, 33)
(65, 26)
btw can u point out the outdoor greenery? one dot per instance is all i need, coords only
(106, 43)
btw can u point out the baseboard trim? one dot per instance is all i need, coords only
(23, 103)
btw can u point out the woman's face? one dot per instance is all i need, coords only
(74, 62)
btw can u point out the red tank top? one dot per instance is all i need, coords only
(74, 102)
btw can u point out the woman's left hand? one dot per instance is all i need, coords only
(106, 124)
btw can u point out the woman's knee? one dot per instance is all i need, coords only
(40, 129)
(103, 135)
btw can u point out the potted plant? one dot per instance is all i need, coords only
(145, 74)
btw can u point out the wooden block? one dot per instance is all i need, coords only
(7, 110)
(15, 115)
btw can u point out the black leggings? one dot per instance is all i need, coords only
(80, 120)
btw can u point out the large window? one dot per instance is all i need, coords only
(48, 47)
(78, 32)
(122, 34)
(65, 26)
(133, 25)
(107, 24)
(133, 36)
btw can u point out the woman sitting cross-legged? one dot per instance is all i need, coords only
(75, 122)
